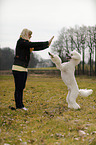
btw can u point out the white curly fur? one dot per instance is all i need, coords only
(67, 74)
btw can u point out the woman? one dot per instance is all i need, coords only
(21, 60)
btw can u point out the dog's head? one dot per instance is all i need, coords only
(75, 56)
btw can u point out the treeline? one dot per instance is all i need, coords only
(7, 58)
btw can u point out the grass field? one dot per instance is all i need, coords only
(48, 120)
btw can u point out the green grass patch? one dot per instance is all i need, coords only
(48, 120)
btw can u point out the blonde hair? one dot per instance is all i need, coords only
(24, 34)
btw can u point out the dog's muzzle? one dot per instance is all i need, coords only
(68, 56)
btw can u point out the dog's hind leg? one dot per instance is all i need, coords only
(72, 99)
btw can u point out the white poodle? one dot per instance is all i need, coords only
(67, 73)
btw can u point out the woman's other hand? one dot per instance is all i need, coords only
(31, 49)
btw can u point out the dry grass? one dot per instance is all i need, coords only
(48, 120)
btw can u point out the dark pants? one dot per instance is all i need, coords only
(20, 81)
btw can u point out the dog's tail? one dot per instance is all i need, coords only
(85, 92)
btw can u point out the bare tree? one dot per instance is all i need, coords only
(90, 43)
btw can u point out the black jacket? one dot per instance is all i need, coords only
(22, 54)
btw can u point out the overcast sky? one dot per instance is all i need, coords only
(44, 17)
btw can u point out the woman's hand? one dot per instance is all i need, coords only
(50, 40)
(31, 49)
